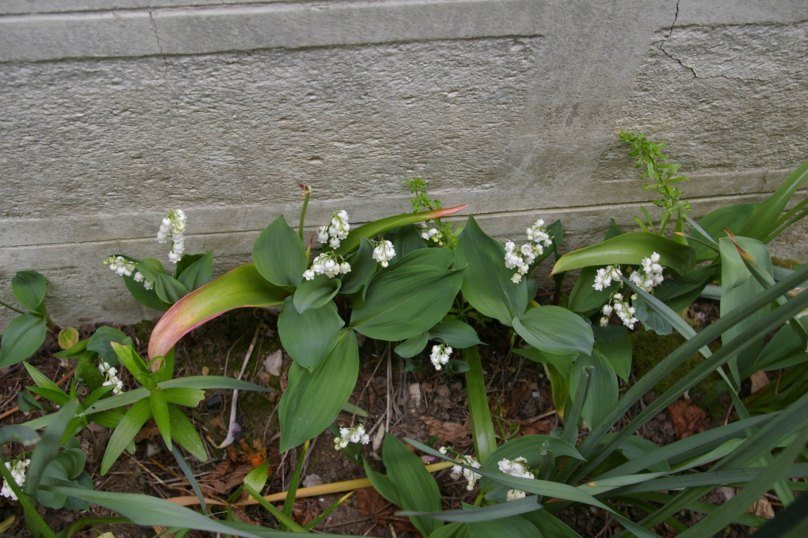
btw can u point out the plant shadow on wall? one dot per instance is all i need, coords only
(429, 289)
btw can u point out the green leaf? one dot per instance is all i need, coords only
(241, 287)
(48, 446)
(257, 478)
(132, 361)
(17, 433)
(22, 338)
(43, 381)
(550, 526)
(312, 294)
(413, 346)
(130, 425)
(559, 369)
(764, 218)
(169, 289)
(159, 409)
(584, 297)
(183, 432)
(189, 475)
(404, 302)
(29, 289)
(488, 513)
(482, 428)
(452, 530)
(509, 527)
(198, 273)
(308, 337)
(614, 343)
(205, 382)
(555, 330)
(382, 484)
(456, 333)
(184, 396)
(147, 298)
(27, 403)
(417, 489)
(738, 287)
(67, 466)
(436, 257)
(74, 351)
(314, 399)
(487, 284)
(714, 222)
(630, 249)
(363, 267)
(100, 342)
(185, 262)
(279, 254)
(651, 320)
(679, 293)
(378, 227)
(407, 240)
(149, 267)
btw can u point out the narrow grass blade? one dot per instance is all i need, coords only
(289, 501)
(285, 520)
(487, 513)
(189, 474)
(482, 428)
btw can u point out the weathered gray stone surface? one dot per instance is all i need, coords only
(113, 112)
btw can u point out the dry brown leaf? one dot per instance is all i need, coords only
(368, 501)
(449, 433)
(759, 381)
(762, 508)
(149, 432)
(688, 418)
(542, 427)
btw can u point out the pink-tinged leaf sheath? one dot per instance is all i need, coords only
(241, 287)
(377, 227)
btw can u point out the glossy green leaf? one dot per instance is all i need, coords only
(279, 254)
(314, 399)
(22, 338)
(241, 287)
(132, 361)
(186, 397)
(614, 343)
(550, 526)
(312, 294)
(714, 222)
(487, 284)
(27, 403)
(555, 330)
(169, 289)
(407, 240)
(488, 513)
(308, 337)
(452, 530)
(100, 341)
(456, 333)
(257, 478)
(417, 489)
(509, 527)
(17, 433)
(205, 382)
(764, 218)
(436, 257)
(148, 267)
(363, 267)
(198, 273)
(584, 297)
(189, 476)
(482, 428)
(29, 289)
(130, 425)
(650, 319)
(382, 484)
(74, 351)
(630, 249)
(48, 446)
(147, 298)
(404, 302)
(67, 466)
(159, 410)
(413, 346)
(679, 293)
(183, 432)
(378, 227)
(43, 381)
(185, 262)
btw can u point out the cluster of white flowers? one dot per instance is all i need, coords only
(384, 252)
(623, 310)
(173, 226)
(522, 258)
(111, 373)
(326, 264)
(351, 435)
(124, 267)
(650, 276)
(440, 355)
(334, 233)
(430, 234)
(17, 470)
(518, 468)
(468, 474)
(605, 276)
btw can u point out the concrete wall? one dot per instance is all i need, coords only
(114, 111)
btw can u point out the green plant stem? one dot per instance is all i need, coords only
(31, 515)
(11, 308)
(303, 214)
(289, 501)
(482, 428)
(91, 521)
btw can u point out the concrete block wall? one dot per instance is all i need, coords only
(112, 112)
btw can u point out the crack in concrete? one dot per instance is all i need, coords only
(162, 55)
(670, 33)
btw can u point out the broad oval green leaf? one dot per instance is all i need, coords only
(257, 478)
(147, 298)
(615, 345)
(630, 249)
(99, 342)
(363, 267)
(308, 337)
(241, 287)
(125, 432)
(487, 285)
(169, 289)
(22, 338)
(29, 289)
(406, 241)
(584, 297)
(404, 302)
(412, 346)
(198, 273)
(315, 293)
(555, 330)
(436, 257)
(314, 399)
(456, 333)
(378, 227)
(417, 489)
(279, 254)
(602, 393)
(186, 397)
